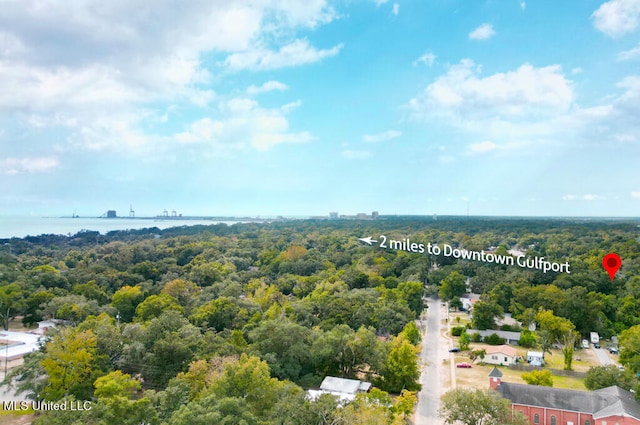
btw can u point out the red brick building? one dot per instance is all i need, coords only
(558, 406)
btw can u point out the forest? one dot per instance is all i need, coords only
(231, 324)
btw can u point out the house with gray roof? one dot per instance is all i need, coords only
(509, 337)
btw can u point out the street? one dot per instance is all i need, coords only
(434, 374)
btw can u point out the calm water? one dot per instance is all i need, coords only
(33, 226)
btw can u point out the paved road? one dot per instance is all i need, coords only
(431, 377)
(602, 356)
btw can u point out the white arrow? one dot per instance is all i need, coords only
(367, 240)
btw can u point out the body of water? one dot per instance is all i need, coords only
(20, 227)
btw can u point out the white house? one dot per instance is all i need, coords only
(501, 355)
(344, 389)
(535, 358)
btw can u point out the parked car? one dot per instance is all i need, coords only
(454, 350)
(613, 350)
(596, 345)
(464, 365)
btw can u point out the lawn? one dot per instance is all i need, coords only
(478, 377)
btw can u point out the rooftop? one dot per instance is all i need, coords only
(611, 401)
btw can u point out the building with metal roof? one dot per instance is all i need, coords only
(559, 406)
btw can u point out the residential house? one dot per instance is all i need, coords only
(344, 389)
(502, 355)
(535, 358)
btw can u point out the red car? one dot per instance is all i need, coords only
(464, 365)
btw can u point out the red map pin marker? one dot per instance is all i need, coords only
(611, 263)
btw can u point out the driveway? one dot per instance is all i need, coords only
(435, 377)
(602, 356)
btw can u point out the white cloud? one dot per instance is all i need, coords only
(626, 55)
(12, 166)
(617, 17)
(526, 91)
(242, 125)
(577, 70)
(482, 147)
(94, 62)
(349, 154)
(296, 53)
(586, 197)
(396, 9)
(428, 58)
(267, 87)
(382, 137)
(635, 195)
(380, 2)
(483, 32)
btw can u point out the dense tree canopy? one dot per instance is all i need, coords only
(291, 302)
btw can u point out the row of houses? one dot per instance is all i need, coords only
(504, 355)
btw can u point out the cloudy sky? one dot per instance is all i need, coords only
(285, 107)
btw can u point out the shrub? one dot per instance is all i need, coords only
(457, 330)
(475, 337)
(538, 377)
(494, 339)
(527, 339)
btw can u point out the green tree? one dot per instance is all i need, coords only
(569, 342)
(538, 377)
(453, 286)
(478, 407)
(527, 339)
(606, 376)
(485, 313)
(125, 300)
(71, 364)
(214, 410)
(412, 333)
(401, 369)
(219, 314)
(248, 379)
(464, 341)
(155, 305)
(405, 403)
(286, 346)
(557, 327)
(117, 404)
(629, 342)
(11, 303)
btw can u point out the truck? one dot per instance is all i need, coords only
(595, 338)
(585, 343)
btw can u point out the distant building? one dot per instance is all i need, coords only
(375, 215)
(362, 216)
(111, 214)
(333, 215)
(344, 389)
(502, 355)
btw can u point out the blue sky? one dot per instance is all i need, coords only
(284, 107)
